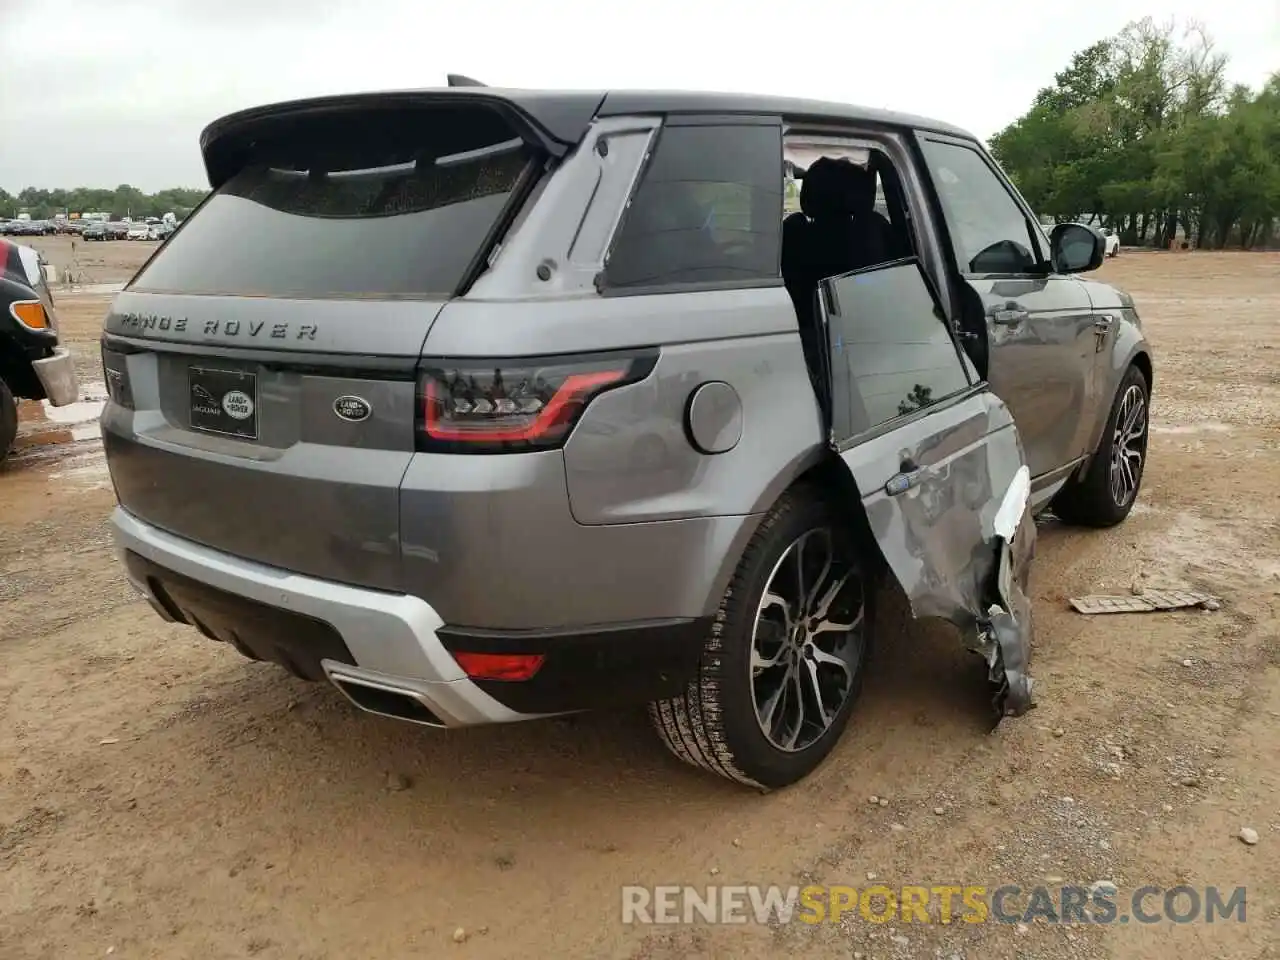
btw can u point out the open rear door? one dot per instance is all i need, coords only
(937, 462)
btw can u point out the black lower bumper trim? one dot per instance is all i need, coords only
(585, 670)
(258, 630)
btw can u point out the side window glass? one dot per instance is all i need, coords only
(707, 211)
(891, 352)
(988, 230)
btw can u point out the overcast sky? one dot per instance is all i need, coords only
(102, 92)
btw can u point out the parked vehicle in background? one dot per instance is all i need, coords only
(500, 404)
(32, 364)
(24, 228)
(117, 230)
(1112, 239)
(138, 231)
(96, 230)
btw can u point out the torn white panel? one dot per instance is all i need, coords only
(1014, 503)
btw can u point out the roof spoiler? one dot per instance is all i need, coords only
(458, 80)
(555, 123)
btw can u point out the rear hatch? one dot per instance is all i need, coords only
(262, 364)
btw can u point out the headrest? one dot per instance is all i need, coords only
(822, 192)
(862, 189)
(836, 187)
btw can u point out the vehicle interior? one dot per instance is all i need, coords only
(852, 216)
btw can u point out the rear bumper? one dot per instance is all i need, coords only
(391, 638)
(392, 654)
(57, 374)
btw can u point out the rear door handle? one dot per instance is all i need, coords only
(1009, 316)
(902, 482)
(910, 475)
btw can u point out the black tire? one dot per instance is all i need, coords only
(8, 419)
(714, 724)
(1092, 501)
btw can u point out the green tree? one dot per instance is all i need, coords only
(1140, 131)
(124, 200)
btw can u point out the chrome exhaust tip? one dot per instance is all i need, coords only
(383, 698)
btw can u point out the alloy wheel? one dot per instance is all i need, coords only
(808, 641)
(1128, 446)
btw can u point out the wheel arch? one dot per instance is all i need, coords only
(1136, 355)
(1142, 360)
(824, 475)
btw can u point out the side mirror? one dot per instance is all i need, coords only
(1076, 248)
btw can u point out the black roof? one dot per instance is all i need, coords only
(562, 117)
(622, 102)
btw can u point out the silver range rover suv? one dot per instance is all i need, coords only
(485, 405)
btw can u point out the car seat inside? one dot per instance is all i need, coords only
(836, 231)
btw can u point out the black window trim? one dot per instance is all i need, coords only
(902, 420)
(675, 121)
(530, 176)
(1034, 234)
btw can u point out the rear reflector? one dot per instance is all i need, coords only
(115, 372)
(30, 313)
(499, 666)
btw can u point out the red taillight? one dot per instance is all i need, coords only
(499, 666)
(510, 405)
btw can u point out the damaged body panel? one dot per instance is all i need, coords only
(945, 487)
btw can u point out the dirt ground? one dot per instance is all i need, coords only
(93, 261)
(160, 797)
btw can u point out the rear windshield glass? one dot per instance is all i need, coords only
(390, 206)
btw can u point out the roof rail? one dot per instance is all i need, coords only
(458, 80)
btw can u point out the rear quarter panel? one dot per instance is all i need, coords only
(633, 459)
(629, 499)
(630, 458)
